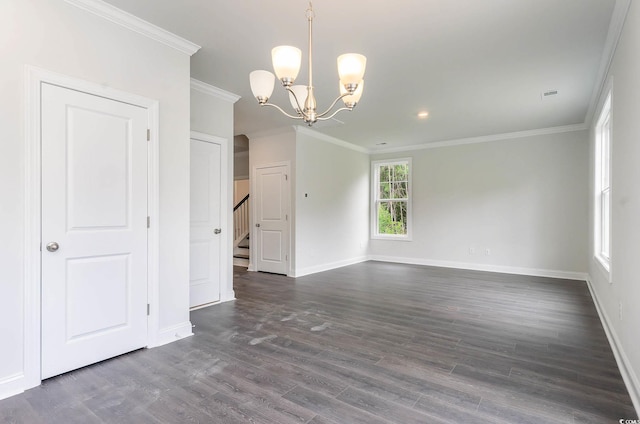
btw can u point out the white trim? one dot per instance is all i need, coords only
(320, 136)
(566, 275)
(328, 266)
(226, 219)
(173, 333)
(620, 10)
(34, 78)
(12, 385)
(209, 89)
(626, 369)
(133, 23)
(484, 139)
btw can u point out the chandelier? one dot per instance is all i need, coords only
(286, 64)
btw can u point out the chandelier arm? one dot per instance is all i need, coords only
(301, 110)
(281, 110)
(320, 115)
(335, 113)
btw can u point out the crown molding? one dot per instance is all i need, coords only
(133, 23)
(616, 25)
(315, 134)
(484, 139)
(209, 89)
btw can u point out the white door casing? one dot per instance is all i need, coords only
(271, 218)
(208, 215)
(94, 207)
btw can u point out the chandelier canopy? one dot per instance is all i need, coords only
(286, 64)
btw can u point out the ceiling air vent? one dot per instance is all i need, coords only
(549, 93)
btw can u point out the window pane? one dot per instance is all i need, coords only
(399, 191)
(606, 208)
(385, 173)
(392, 217)
(605, 154)
(385, 191)
(400, 173)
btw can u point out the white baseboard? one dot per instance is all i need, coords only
(568, 275)
(328, 266)
(628, 375)
(172, 334)
(12, 385)
(228, 297)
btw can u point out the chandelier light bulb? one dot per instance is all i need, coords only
(301, 92)
(351, 100)
(286, 63)
(262, 84)
(351, 67)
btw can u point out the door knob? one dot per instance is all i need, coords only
(217, 231)
(53, 246)
(258, 225)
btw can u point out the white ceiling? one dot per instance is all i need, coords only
(478, 66)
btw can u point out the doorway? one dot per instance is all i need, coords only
(208, 216)
(90, 186)
(271, 218)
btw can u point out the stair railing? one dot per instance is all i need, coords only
(240, 220)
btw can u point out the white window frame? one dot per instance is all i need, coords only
(375, 181)
(602, 187)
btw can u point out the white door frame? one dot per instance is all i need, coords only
(252, 213)
(34, 78)
(226, 242)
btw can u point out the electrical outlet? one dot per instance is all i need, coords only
(487, 252)
(472, 250)
(620, 310)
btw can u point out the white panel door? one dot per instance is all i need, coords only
(94, 229)
(272, 219)
(206, 223)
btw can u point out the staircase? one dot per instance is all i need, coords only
(241, 242)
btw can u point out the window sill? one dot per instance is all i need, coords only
(392, 238)
(604, 266)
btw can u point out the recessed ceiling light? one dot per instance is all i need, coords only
(423, 115)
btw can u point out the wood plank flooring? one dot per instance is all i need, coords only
(369, 343)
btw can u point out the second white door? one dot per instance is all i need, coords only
(207, 199)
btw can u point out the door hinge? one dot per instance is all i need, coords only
(148, 222)
(286, 177)
(148, 134)
(286, 217)
(286, 257)
(148, 309)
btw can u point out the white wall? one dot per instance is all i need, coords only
(212, 114)
(332, 204)
(524, 199)
(240, 190)
(265, 149)
(62, 38)
(624, 291)
(241, 165)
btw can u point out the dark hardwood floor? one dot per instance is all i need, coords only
(369, 343)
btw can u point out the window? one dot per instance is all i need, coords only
(391, 208)
(602, 236)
